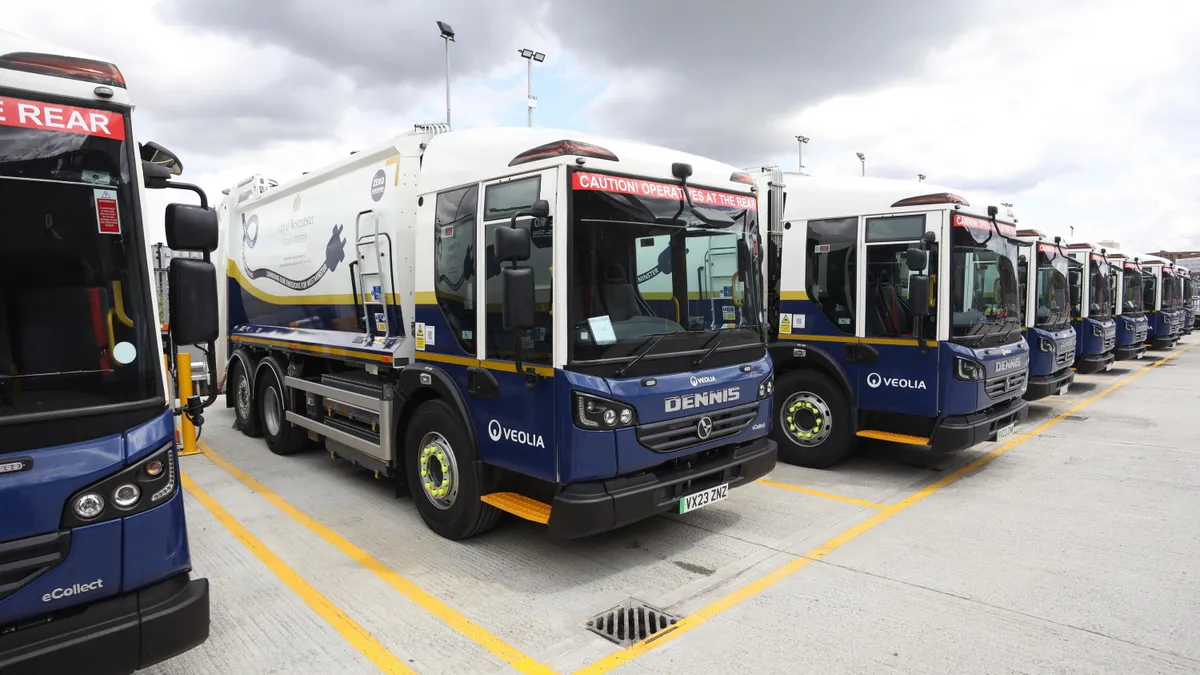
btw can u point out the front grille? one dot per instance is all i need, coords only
(1110, 341)
(1064, 359)
(1005, 384)
(1139, 334)
(683, 432)
(24, 560)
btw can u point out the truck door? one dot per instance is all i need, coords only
(895, 375)
(514, 412)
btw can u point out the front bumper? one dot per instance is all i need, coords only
(1048, 385)
(958, 433)
(1093, 363)
(1164, 342)
(583, 509)
(1133, 351)
(115, 636)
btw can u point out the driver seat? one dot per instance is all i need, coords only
(618, 294)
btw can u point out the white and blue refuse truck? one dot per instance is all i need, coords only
(565, 328)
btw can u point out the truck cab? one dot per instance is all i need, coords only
(1187, 303)
(1045, 301)
(1126, 285)
(1159, 300)
(1091, 308)
(562, 327)
(895, 316)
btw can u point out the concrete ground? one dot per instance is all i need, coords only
(1071, 548)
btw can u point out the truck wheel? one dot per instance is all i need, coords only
(283, 437)
(243, 401)
(812, 420)
(443, 474)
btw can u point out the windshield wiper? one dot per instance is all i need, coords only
(651, 340)
(722, 333)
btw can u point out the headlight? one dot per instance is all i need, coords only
(593, 412)
(1097, 331)
(1046, 345)
(767, 387)
(127, 489)
(966, 369)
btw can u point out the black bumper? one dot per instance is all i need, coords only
(1127, 352)
(115, 636)
(1164, 342)
(1048, 385)
(1093, 363)
(958, 433)
(583, 509)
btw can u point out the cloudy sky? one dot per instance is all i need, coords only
(1082, 113)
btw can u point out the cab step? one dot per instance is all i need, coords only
(890, 437)
(520, 506)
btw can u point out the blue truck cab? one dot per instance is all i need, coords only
(1091, 308)
(1161, 303)
(95, 571)
(1043, 268)
(1126, 290)
(895, 315)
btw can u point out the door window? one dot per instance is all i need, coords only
(830, 269)
(454, 261)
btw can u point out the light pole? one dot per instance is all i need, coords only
(863, 158)
(920, 178)
(448, 36)
(530, 56)
(801, 141)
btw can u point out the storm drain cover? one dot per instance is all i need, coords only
(629, 622)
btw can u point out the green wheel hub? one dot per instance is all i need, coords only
(438, 470)
(806, 419)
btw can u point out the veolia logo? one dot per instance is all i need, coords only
(496, 431)
(697, 381)
(875, 380)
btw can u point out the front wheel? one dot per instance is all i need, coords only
(443, 474)
(812, 420)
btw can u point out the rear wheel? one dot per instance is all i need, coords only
(443, 474)
(812, 420)
(283, 437)
(243, 400)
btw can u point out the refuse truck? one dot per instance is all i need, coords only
(1160, 302)
(1091, 308)
(895, 316)
(562, 327)
(1046, 310)
(1126, 289)
(95, 570)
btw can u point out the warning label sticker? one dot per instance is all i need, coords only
(785, 324)
(420, 337)
(107, 218)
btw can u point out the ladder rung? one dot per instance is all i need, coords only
(893, 437)
(519, 505)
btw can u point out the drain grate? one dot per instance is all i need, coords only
(629, 622)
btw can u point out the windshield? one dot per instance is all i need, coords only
(1131, 303)
(984, 297)
(75, 325)
(1149, 291)
(644, 263)
(1168, 290)
(1053, 306)
(1099, 298)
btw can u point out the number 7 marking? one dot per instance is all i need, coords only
(394, 160)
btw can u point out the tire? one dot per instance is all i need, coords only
(448, 494)
(812, 420)
(244, 403)
(283, 437)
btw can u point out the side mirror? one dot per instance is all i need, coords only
(540, 209)
(156, 154)
(155, 176)
(517, 312)
(191, 228)
(916, 259)
(512, 244)
(918, 293)
(193, 301)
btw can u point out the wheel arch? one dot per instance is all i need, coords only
(415, 391)
(792, 357)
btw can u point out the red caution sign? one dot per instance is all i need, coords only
(107, 217)
(18, 112)
(647, 188)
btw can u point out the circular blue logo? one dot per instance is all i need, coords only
(377, 185)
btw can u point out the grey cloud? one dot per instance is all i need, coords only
(730, 72)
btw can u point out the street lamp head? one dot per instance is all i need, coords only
(447, 31)
(802, 139)
(526, 53)
(861, 156)
(539, 57)
(921, 177)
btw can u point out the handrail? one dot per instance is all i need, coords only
(119, 305)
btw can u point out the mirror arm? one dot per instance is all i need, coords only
(191, 188)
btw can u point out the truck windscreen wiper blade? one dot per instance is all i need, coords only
(719, 337)
(650, 342)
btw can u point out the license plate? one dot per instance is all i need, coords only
(1005, 431)
(1108, 366)
(1062, 391)
(1141, 354)
(703, 499)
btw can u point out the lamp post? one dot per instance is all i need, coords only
(801, 140)
(530, 56)
(448, 36)
(920, 178)
(863, 159)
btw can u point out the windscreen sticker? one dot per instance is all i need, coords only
(1047, 248)
(981, 224)
(107, 217)
(646, 188)
(18, 112)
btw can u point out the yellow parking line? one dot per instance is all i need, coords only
(818, 493)
(518, 660)
(755, 587)
(348, 628)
